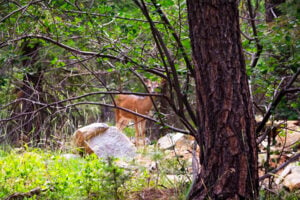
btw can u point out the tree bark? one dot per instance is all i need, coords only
(226, 129)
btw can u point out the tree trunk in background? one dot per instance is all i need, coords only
(29, 125)
(271, 10)
(226, 129)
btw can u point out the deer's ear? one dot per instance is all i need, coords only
(157, 84)
(163, 81)
(147, 81)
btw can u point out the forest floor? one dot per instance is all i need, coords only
(155, 173)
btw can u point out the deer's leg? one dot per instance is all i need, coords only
(137, 132)
(140, 130)
(117, 117)
(143, 130)
(122, 123)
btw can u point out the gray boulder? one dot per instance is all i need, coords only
(112, 143)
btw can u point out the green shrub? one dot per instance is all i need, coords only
(73, 178)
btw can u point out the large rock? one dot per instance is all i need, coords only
(112, 143)
(104, 141)
(84, 134)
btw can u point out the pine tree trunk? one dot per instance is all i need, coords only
(226, 132)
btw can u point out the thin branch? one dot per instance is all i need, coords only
(22, 195)
(124, 58)
(129, 111)
(292, 159)
(276, 101)
(82, 96)
(177, 39)
(104, 15)
(247, 36)
(257, 43)
(18, 10)
(48, 39)
(292, 90)
(55, 105)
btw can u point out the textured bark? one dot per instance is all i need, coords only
(226, 132)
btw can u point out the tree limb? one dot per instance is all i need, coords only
(276, 101)
(71, 49)
(22, 195)
(18, 10)
(292, 159)
(104, 15)
(259, 47)
(177, 39)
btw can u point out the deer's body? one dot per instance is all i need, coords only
(139, 104)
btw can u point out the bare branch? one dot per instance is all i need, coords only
(292, 90)
(48, 39)
(122, 58)
(247, 36)
(18, 10)
(257, 43)
(22, 195)
(80, 97)
(276, 101)
(292, 159)
(130, 111)
(177, 39)
(104, 15)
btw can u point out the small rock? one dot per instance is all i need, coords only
(169, 140)
(292, 180)
(69, 156)
(178, 178)
(290, 176)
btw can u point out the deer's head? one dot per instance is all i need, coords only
(151, 85)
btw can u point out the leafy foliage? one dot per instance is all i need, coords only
(64, 178)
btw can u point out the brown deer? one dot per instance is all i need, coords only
(138, 104)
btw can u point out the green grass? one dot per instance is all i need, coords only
(75, 178)
(281, 195)
(83, 177)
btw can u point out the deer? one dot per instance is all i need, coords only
(139, 104)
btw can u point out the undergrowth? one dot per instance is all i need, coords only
(65, 176)
(61, 176)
